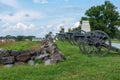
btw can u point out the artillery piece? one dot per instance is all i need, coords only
(91, 43)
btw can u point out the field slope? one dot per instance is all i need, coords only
(77, 66)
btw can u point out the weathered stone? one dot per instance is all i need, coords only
(47, 62)
(8, 60)
(48, 53)
(1, 49)
(34, 53)
(9, 65)
(19, 63)
(24, 56)
(31, 62)
(43, 51)
(57, 56)
(14, 53)
(48, 46)
(42, 56)
(33, 57)
(4, 52)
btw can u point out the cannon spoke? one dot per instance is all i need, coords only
(94, 42)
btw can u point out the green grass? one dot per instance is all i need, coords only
(115, 41)
(22, 45)
(77, 66)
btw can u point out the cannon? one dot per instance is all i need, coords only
(94, 43)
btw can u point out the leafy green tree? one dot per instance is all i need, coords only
(9, 37)
(118, 35)
(20, 38)
(29, 37)
(104, 17)
(83, 18)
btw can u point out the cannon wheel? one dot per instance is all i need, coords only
(95, 43)
(75, 40)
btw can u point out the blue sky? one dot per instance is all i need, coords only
(38, 17)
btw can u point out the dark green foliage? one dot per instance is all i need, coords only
(104, 17)
(83, 18)
(17, 38)
(118, 35)
(22, 38)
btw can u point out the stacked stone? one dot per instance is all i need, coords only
(48, 53)
(15, 57)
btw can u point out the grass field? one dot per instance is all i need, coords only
(22, 45)
(77, 66)
(115, 41)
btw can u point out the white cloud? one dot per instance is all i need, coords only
(20, 16)
(59, 26)
(76, 24)
(63, 26)
(40, 1)
(23, 29)
(49, 25)
(12, 3)
(19, 26)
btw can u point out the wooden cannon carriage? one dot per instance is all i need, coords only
(91, 43)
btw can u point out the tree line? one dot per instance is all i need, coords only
(18, 38)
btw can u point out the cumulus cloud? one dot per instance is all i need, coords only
(49, 25)
(24, 29)
(76, 24)
(40, 1)
(59, 26)
(20, 16)
(63, 26)
(19, 26)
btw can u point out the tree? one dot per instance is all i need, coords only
(118, 35)
(9, 37)
(62, 30)
(30, 37)
(83, 18)
(104, 17)
(69, 30)
(20, 38)
(48, 35)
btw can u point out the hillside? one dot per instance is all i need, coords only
(77, 66)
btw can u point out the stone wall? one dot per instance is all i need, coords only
(47, 54)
